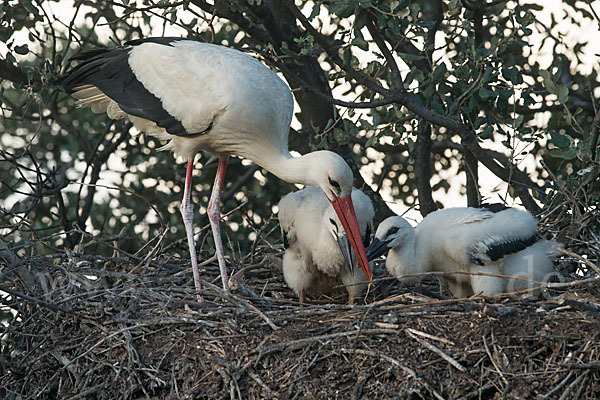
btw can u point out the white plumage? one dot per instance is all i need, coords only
(492, 239)
(317, 256)
(204, 97)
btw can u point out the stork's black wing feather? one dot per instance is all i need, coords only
(498, 250)
(109, 71)
(166, 40)
(494, 207)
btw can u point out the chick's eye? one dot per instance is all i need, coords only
(391, 231)
(335, 185)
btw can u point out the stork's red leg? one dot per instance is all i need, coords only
(188, 218)
(214, 215)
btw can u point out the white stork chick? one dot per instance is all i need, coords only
(318, 255)
(491, 239)
(204, 97)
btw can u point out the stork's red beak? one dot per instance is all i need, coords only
(345, 211)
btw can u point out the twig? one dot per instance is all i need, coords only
(261, 383)
(34, 300)
(477, 393)
(397, 363)
(237, 286)
(489, 354)
(89, 391)
(223, 216)
(572, 386)
(427, 335)
(234, 299)
(389, 58)
(332, 53)
(590, 365)
(302, 342)
(580, 258)
(558, 387)
(438, 351)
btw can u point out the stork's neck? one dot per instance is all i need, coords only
(403, 258)
(291, 169)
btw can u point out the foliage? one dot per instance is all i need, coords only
(407, 91)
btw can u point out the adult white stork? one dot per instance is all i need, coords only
(318, 255)
(205, 97)
(491, 239)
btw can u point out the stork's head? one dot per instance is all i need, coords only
(391, 233)
(333, 175)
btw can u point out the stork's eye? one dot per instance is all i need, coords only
(335, 185)
(332, 222)
(392, 230)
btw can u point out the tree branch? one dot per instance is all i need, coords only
(235, 186)
(471, 165)
(437, 146)
(12, 73)
(594, 135)
(332, 53)
(502, 168)
(254, 31)
(423, 168)
(98, 162)
(389, 58)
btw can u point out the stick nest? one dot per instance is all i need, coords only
(84, 326)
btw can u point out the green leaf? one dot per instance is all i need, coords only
(487, 74)
(364, 3)
(560, 140)
(526, 31)
(439, 72)
(315, 10)
(410, 57)
(30, 7)
(376, 117)
(513, 75)
(360, 20)
(517, 122)
(323, 144)
(360, 43)
(548, 83)
(487, 133)
(371, 140)
(566, 154)
(486, 93)
(340, 136)
(584, 153)
(563, 94)
(403, 13)
(23, 49)
(347, 56)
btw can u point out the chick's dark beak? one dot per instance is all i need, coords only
(344, 209)
(377, 249)
(346, 249)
